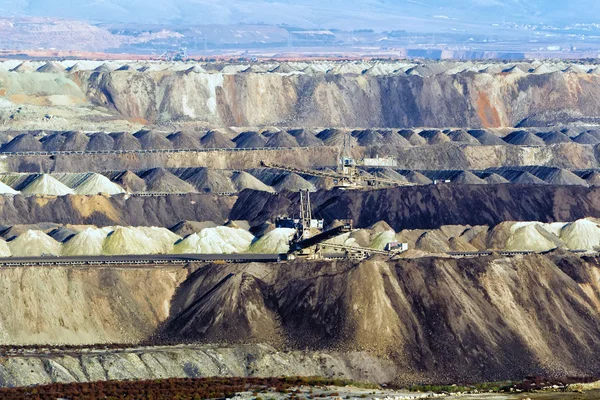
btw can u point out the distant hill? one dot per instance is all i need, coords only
(411, 15)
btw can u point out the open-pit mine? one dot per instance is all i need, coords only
(391, 222)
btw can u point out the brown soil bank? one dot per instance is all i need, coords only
(465, 99)
(437, 319)
(431, 206)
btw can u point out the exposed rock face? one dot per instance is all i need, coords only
(191, 362)
(465, 99)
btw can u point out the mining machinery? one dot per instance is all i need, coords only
(348, 177)
(310, 239)
(347, 174)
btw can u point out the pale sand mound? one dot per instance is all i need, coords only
(530, 238)
(276, 242)
(46, 185)
(219, 240)
(5, 189)
(88, 242)
(582, 234)
(163, 238)
(97, 183)
(4, 249)
(125, 241)
(34, 243)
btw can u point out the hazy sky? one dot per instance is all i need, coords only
(346, 14)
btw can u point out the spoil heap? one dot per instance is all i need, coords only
(582, 234)
(248, 140)
(160, 180)
(96, 183)
(413, 138)
(45, 185)
(523, 138)
(219, 240)
(152, 140)
(5, 189)
(586, 138)
(293, 182)
(210, 180)
(528, 179)
(131, 182)
(282, 139)
(215, 139)
(89, 242)
(243, 180)
(486, 138)
(23, 142)
(468, 178)
(183, 140)
(531, 237)
(34, 243)
(276, 241)
(495, 179)
(564, 177)
(460, 136)
(128, 241)
(554, 137)
(125, 141)
(305, 138)
(101, 141)
(162, 238)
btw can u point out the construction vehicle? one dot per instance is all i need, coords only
(310, 240)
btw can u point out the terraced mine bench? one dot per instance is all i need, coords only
(99, 152)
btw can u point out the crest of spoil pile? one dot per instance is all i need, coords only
(532, 237)
(582, 234)
(128, 241)
(5, 189)
(88, 242)
(97, 183)
(34, 243)
(219, 240)
(163, 238)
(275, 242)
(46, 185)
